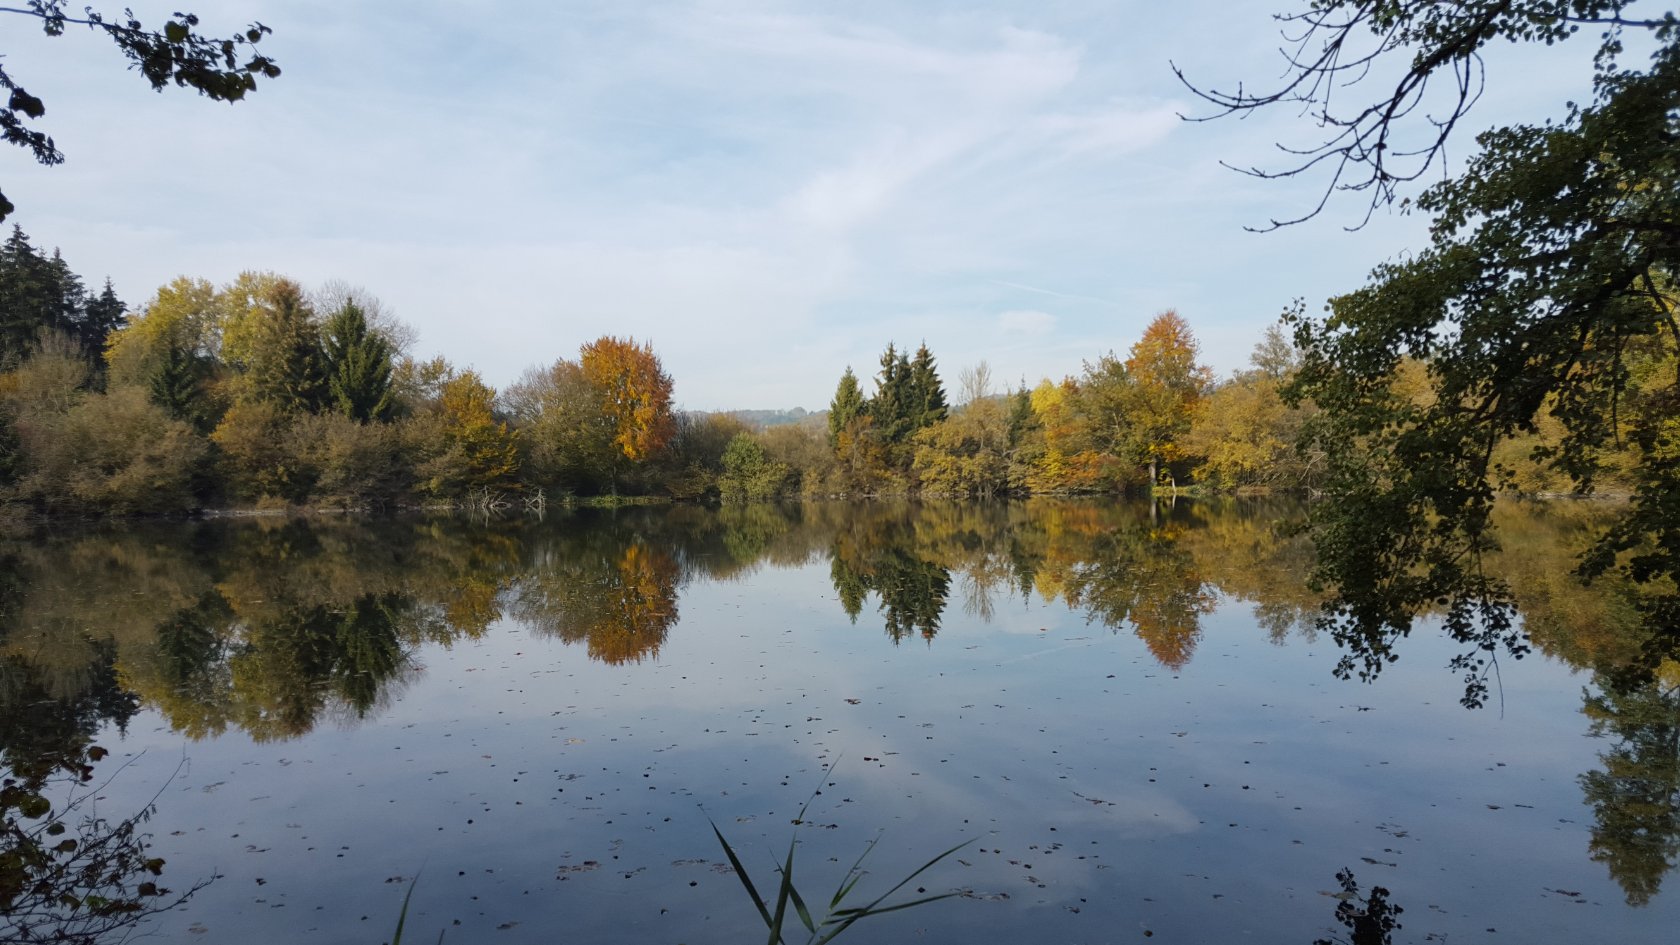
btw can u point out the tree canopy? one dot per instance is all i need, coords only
(1546, 294)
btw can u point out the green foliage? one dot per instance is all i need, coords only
(280, 348)
(1550, 265)
(39, 294)
(927, 393)
(847, 404)
(693, 460)
(179, 385)
(893, 409)
(748, 471)
(357, 363)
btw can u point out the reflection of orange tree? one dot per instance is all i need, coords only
(621, 601)
(1127, 565)
(1248, 549)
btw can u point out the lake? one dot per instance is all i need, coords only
(1126, 713)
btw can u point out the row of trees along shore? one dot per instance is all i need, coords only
(258, 393)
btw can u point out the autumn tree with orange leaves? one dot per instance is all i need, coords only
(1165, 386)
(593, 421)
(635, 394)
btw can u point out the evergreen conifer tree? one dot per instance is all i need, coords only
(927, 393)
(175, 384)
(358, 366)
(893, 403)
(847, 404)
(25, 297)
(103, 314)
(284, 366)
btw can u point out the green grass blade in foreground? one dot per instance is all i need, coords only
(842, 919)
(402, 917)
(838, 918)
(746, 881)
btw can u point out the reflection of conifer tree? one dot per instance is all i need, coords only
(1636, 796)
(884, 560)
(913, 593)
(370, 654)
(290, 668)
(849, 585)
(38, 725)
(192, 653)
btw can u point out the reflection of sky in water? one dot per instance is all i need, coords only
(566, 799)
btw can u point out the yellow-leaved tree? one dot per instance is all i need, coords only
(1166, 387)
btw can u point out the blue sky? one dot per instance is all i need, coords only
(768, 191)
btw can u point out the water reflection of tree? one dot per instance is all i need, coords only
(67, 875)
(1369, 921)
(1635, 698)
(605, 588)
(881, 554)
(1635, 797)
(265, 627)
(1138, 572)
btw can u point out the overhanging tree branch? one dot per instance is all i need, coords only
(224, 69)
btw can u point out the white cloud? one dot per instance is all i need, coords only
(768, 191)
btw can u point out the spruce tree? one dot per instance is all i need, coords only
(358, 366)
(25, 297)
(284, 367)
(892, 406)
(175, 384)
(103, 314)
(847, 404)
(65, 298)
(927, 393)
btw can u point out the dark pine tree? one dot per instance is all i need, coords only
(927, 393)
(103, 314)
(892, 406)
(358, 367)
(26, 298)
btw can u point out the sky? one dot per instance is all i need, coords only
(767, 192)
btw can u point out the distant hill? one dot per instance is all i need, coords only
(761, 419)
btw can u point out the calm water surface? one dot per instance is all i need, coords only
(1128, 716)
